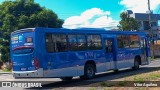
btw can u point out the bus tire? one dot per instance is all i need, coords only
(136, 64)
(89, 71)
(66, 78)
(116, 70)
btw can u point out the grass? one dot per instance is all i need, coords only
(106, 84)
(137, 78)
(145, 76)
(122, 83)
(153, 58)
(98, 88)
(103, 84)
(112, 84)
(92, 88)
(7, 70)
(154, 76)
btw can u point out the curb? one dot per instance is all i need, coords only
(5, 73)
(155, 60)
(1, 72)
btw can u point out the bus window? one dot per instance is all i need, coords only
(72, 42)
(94, 42)
(108, 46)
(60, 42)
(134, 41)
(123, 41)
(56, 42)
(81, 40)
(49, 43)
(77, 42)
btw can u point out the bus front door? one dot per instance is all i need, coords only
(109, 52)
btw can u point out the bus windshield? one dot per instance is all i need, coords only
(22, 42)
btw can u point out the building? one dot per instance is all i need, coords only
(143, 20)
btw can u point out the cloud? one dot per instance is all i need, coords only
(140, 6)
(105, 21)
(91, 18)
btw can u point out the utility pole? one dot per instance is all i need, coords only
(150, 28)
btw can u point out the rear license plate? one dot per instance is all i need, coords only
(23, 75)
(23, 69)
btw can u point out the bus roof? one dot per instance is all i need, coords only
(23, 30)
(92, 30)
(79, 30)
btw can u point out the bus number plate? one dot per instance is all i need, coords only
(23, 69)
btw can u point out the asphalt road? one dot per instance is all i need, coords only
(76, 82)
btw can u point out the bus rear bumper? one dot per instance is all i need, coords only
(35, 73)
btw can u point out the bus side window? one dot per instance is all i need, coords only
(134, 41)
(77, 42)
(120, 41)
(81, 41)
(108, 46)
(49, 43)
(56, 42)
(123, 41)
(60, 42)
(94, 42)
(72, 42)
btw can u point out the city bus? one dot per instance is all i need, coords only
(67, 53)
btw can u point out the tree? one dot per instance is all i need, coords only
(20, 14)
(127, 23)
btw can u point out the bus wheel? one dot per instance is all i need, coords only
(116, 70)
(89, 71)
(66, 78)
(136, 64)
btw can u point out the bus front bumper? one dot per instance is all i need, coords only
(21, 74)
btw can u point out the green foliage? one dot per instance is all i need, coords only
(128, 23)
(92, 88)
(107, 84)
(20, 14)
(8, 69)
(122, 83)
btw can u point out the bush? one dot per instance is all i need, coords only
(6, 66)
(1, 64)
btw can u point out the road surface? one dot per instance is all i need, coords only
(76, 82)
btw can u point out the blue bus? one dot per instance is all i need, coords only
(66, 53)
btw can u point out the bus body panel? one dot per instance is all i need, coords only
(71, 63)
(23, 52)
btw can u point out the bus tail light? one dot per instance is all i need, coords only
(36, 63)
